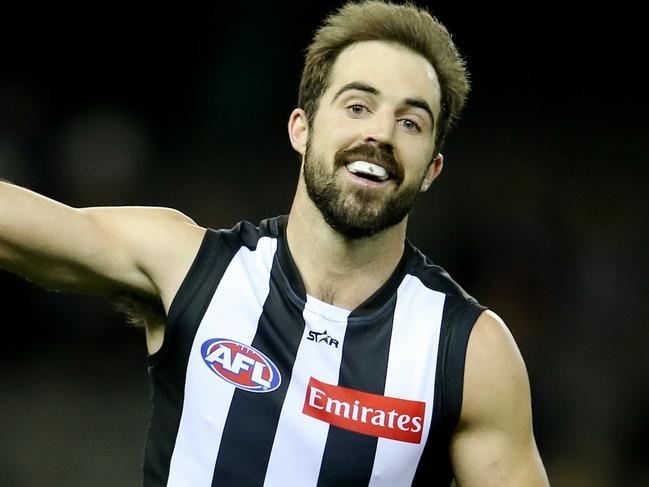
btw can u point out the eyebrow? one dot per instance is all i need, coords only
(413, 102)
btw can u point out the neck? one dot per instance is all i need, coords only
(335, 269)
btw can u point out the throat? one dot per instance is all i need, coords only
(338, 271)
(348, 296)
(328, 295)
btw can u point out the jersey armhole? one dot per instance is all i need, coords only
(453, 362)
(194, 279)
(458, 318)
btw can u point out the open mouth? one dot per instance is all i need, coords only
(368, 170)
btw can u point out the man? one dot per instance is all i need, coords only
(320, 348)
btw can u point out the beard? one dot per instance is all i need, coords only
(358, 212)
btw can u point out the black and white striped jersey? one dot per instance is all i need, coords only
(259, 384)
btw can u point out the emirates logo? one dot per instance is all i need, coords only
(369, 414)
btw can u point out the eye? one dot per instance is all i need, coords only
(357, 109)
(410, 125)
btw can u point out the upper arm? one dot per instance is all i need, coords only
(494, 444)
(148, 249)
(109, 250)
(142, 251)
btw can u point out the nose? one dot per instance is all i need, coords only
(380, 128)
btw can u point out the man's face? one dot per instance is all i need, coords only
(371, 142)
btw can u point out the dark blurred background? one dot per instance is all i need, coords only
(541, 212)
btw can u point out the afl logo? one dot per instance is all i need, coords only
(241, 365)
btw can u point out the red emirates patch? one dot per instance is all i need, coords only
(369, 414)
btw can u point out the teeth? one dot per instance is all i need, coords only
(364, 167)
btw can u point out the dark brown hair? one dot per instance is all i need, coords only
(404, 24)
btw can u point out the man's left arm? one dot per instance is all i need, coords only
(493, 444)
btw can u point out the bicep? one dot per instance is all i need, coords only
(63, 248)
(494, 443)
(103, 250)
(495, 458)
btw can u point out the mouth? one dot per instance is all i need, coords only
(369, 171)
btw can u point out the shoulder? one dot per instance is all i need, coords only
(142, 222)
(156, 236)
(162, 242)
(495, 383)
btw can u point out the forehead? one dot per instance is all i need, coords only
(396, 71)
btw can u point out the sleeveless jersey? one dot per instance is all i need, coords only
(259, 384)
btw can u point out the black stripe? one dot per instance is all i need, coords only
(168, 366)
(458, 317)
(287, 265)
(349, 456)
(252, 419)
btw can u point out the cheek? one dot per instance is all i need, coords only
(342, 135)
(329, 139)
(320, 150)
(415, 157)
(338, 130)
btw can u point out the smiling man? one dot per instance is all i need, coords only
(320, 348)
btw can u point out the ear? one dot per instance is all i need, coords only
(433, 171)
(298, 130)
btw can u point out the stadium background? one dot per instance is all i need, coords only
(541, 212)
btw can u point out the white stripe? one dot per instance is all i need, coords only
(233, 313)
(410, 375)
(300, 440)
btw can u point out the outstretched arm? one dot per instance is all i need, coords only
(494, 443)
(142, 251)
